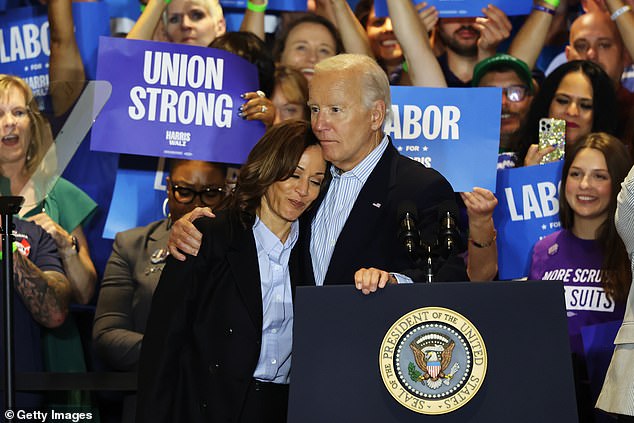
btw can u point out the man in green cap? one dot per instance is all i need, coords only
(515, 79)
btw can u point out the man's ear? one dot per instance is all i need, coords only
(378, 115)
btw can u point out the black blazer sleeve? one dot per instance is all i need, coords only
(161, 395)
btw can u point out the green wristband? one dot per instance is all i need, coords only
(143, 6)
(260, 8)
(553, 3)
(15, 247)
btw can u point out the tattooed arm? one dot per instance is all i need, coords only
(45, 293)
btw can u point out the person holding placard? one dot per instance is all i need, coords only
(365, 33)
(193, 22)
(200, 23)
(515, 79)
(587, 254)
(413, 45)
(247, 45)
(468, 41)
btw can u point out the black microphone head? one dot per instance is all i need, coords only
(404, 207)
(449, 235)
(447, 206)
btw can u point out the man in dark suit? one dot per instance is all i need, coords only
(352, 236)
(353, 233)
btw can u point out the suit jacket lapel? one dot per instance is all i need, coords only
(243, 260)
(158, 237)
(368, 211)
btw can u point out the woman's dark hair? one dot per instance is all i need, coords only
(362, 11)
(604, 115)
(174, 163)
(615, 270)
(274, 158)
(251, 48)
(280, 38)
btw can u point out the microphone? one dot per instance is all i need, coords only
(408, 232)
(449, 235)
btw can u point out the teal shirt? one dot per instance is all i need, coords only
(67, 205)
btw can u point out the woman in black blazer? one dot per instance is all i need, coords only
(218, 339)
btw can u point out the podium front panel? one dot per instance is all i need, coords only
(338, 332)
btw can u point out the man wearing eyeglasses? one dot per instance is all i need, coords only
(515, 79)
(134, 268)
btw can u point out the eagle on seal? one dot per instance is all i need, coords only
(433, 360)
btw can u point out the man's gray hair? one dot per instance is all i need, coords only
(376, 85)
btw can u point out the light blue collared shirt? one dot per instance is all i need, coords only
(336, 207)
(277, 303)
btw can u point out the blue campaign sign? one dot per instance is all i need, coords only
(25, 46)
(130, 9)
(277, 5)
(465, 8)
(139, 195)
(527, 211)
(453, 130)
(25, 43)
(91, 22)
(175, 100)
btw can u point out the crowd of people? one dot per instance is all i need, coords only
(200, 303)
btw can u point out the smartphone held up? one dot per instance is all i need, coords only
(552, 133)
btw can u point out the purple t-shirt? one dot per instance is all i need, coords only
(561, 256)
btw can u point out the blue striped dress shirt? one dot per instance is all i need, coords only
(277, 303)
(335, 209)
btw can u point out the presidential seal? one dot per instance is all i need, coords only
(433, 360)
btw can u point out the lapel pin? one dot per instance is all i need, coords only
(159, 256)
(553, 249)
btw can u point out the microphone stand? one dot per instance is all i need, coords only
(8, 207)
(429, 275)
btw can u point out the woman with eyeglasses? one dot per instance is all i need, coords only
(580, 93)
(518, 88)
(135, 266)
